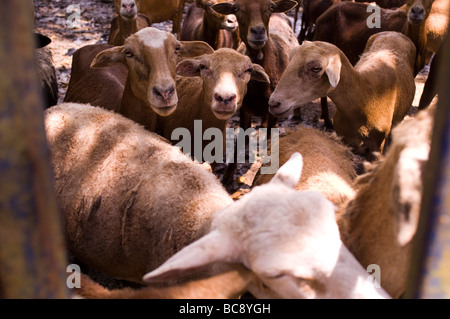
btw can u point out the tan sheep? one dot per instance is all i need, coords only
(382, 87)
(136, 79)
(129, 199)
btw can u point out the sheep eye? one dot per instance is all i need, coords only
(203, 67)
(235, 8)
(177, 49)
(316, 70)
(128, 53)
(272, 7)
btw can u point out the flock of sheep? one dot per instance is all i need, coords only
(136, 208)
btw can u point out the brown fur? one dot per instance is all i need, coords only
(129, 199)
(345, 25)
(160, 11)
(388, 197)
(203, 24)
(228, 285)
(99, 87)
(437, 24)
(328, 165)
(382, 87)
(47, 76)
(121, 29)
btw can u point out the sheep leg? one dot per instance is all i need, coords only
(325, 114)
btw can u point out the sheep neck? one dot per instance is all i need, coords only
(137, 110)
(344, 99)
(209, 32)
(127, 27)
(417, 34)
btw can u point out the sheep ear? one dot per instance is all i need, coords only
(41, 40)
(407, 194)
(191, 49)
(289, 174)
(284, 6)
(189, 67)
(225, 8)
(258, 74)
(213, 248)
(293, 52)
(333, 70)
(108, 57)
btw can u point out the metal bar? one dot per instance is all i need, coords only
(32, 248)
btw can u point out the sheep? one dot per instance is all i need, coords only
(160, 11)
(203, 24)
(382, 87)
(379, 224)
(228, 285)
(268, 38)
(329, 166)
(127, 21)
(136, 79)
(289, 239)
(46, 71)
(345, 24)
(129, 199)
(211, 89)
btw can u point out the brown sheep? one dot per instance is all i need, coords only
(382, 87)
(381, 221)
(328, 165)
(437, 24)
(130, 200)
(204, 24)
(147, 90)
(211, 89)
(46, 71)
(127, 21)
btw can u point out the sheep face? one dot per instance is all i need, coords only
(222, 21)
(253, 17)
(314, 70)
(292, 244)
(225, 75)
(127, 9)
(151, 57)
(418, 10)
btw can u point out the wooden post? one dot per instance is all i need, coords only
(430, 265)
(32, 249)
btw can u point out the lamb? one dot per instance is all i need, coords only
(211, 89)
(329, 167)
(289, 239)
(160, 11)
(127, 22)
(268, 38)
(166, 200)
(380, 229)
(203, 24)
(101, 77)
(382, 85)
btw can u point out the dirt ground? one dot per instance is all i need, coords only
(53, 16)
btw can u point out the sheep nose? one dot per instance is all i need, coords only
(418, 10)
(224, 100)
(165, 94)
(274, 104)
(231, 19)
(258, 30)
